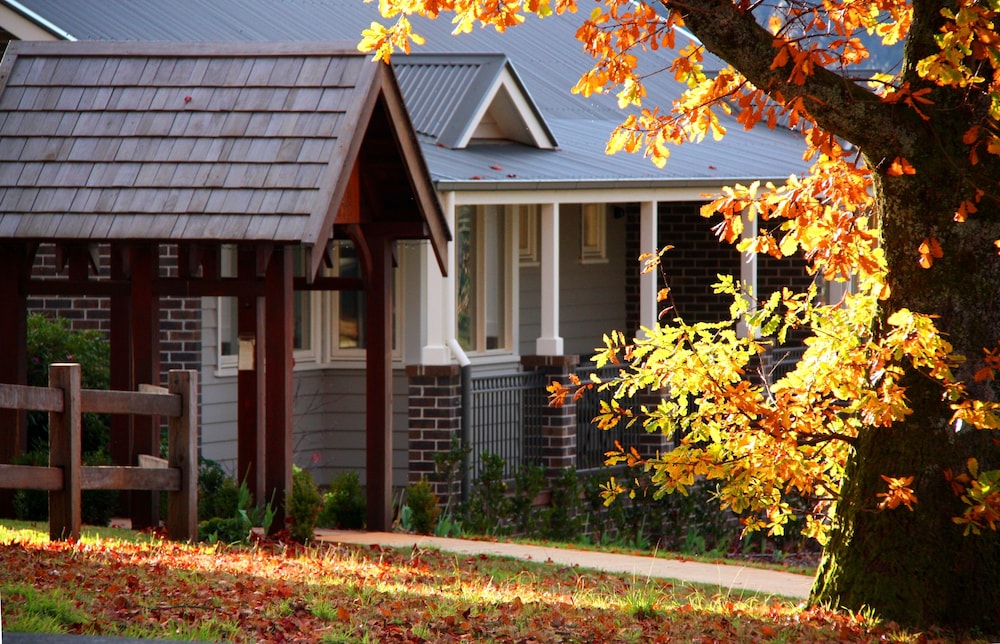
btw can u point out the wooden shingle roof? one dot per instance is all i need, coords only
(196, 141)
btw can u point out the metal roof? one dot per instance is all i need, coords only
(195, 141)
(547, 57)
(446, 93)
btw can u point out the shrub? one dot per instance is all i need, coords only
(529, 481)
(218, 494)
(344, 505)
(304, 505)
(232, 517)
(52, 340)
(423, 507)
(488, 509)
(567, 514)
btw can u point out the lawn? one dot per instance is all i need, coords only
(119, 583)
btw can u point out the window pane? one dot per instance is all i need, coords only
(302, 303)
(228, 342)
(495, 281)
(352, 303)
(465, 302)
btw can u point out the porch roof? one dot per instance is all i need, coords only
(205, 141)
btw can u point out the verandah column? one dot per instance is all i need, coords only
(250, 378)
(15, 267)
(378, 398)
(135, 360)
(278, 365)
(549, 342)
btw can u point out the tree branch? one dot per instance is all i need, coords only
(838, 104)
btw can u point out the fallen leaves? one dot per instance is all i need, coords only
(280, 593)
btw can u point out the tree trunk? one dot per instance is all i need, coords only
(916, 567)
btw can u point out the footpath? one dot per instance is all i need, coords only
(734, 576)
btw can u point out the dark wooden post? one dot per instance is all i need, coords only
(182, 440)
(378, 398)
(120, 340)
(13, 346)
(135, 360)
(278, 364)
(250, 380)
(65, 452)
(145, 510)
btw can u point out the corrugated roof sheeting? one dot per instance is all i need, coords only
(214, 145)
(433, 93)
(544, 52)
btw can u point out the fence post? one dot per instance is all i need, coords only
(65, 452)
(182, 453)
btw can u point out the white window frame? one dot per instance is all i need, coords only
(527, 234)
(324, 348)
(593, 219)
(510, 260)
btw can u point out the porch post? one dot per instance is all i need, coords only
(439, 297)
(145, 439)
(14, 346)
(250, 383)
(121, 377)
(648, 243)
(278, 364)
(378, 397)
(549, 342)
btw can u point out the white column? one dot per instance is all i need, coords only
(439, 297)
(549, 343)
(648, 243)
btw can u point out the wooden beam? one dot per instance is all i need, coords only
(278, 360)
(31, 477)
(112, 477)
(24, 397)
(100, 401)
(378, 397)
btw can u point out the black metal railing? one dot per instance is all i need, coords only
(593, 443)
(505, 417)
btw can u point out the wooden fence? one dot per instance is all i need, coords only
(65, 476)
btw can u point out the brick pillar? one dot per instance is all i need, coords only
(435, 419)
(557, 424)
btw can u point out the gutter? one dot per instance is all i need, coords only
(452, 185)
(44, 23)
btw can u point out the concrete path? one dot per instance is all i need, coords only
(737, 577)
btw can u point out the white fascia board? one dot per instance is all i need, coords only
(527, 114)
(586, 195)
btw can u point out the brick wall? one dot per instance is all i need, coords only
(180, 318)
(435, 419)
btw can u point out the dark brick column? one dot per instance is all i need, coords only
(557, 431)
(435, 418)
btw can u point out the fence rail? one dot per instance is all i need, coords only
(65, 476)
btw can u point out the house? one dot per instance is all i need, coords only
(546, 230)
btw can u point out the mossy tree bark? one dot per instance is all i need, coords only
(915, 567)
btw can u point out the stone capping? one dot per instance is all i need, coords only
(542, 362)
(432, 370)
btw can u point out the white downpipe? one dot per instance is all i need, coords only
(458, 353)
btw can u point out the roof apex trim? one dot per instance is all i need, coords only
(496, 87)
